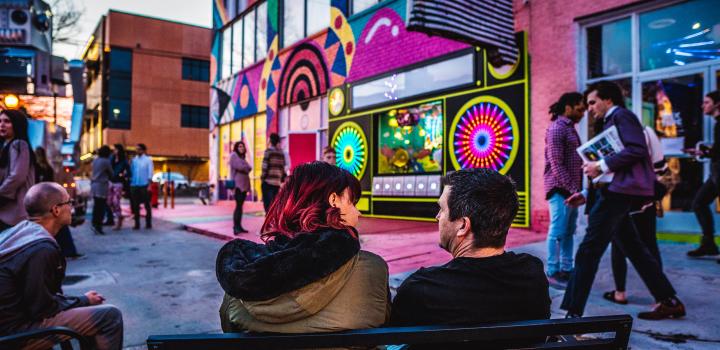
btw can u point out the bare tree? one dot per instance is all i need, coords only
(66, 16)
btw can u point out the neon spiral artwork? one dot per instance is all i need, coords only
(485, 135)
(351, 148)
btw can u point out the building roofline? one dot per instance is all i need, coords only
(157, 18)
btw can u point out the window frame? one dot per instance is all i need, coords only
(195, 64)
(251, 10)
(351, 7)
(188, 119)
(281, 20)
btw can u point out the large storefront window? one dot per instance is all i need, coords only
(226, 53)
(453, 72)
(609, 49)
(680, 34)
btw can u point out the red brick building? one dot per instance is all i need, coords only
(147, 82)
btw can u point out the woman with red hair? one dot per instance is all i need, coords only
(310, 275)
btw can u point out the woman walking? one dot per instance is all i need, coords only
(118, 182)
(44, 171)
(102, 171)
(239, 170)
(17, 167)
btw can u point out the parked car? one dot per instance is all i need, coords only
(179, 179)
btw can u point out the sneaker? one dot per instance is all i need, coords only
(558, 281)
(704, 249)
(671, 308)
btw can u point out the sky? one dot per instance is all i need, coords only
(198, 12)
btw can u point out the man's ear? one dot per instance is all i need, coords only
(465, 227)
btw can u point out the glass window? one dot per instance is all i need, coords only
(360, 5)
(119, 87)
(193, 69)
(120, 60)
(261, 29)
(194, 117)
(438, 76)
(226, 53)
(318, 16)
(674, 107)
(609, 49)
(237, 52)
(680, 34)
(293, 21)
(118, 114)
(249, 42)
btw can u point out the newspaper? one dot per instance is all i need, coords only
(603, 145)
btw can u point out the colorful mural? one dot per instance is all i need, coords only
(348, 51)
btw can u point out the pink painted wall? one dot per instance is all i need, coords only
(553, 42)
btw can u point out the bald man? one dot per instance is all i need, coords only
(32, 270)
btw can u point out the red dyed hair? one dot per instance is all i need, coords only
(302, 204)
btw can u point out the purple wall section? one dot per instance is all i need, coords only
(385, 45)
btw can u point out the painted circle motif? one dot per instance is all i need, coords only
(351, 148)
(484, 135)
(336, 101)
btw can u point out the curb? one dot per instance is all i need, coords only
(207, 233)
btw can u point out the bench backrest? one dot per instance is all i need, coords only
(55, 335)
(492, 336)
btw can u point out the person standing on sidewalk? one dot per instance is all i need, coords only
(562, 178)
(239, 170)
(141, 172)
(101, 173)
(709, 190)
(118, 182)
(273, 171)
(630, 188)
(17, 167)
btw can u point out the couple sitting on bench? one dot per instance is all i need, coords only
(311, 276)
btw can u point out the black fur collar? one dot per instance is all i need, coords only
(250, 271)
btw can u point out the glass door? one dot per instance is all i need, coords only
(671, 105)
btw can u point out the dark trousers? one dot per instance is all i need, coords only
(609, 221)
(65, 241)
(268, 193)
(140, 195)
(644, 224)
(701, 206)
(99, 208)
(240, 197)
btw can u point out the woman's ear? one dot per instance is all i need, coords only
(332, 199)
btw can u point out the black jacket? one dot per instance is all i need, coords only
(31, 273)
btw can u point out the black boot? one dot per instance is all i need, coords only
(707, 247)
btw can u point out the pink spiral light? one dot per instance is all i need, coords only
(483, 138)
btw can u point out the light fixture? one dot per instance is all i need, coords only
(11, 101)
(696, 25)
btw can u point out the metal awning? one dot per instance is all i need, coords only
(485, 23)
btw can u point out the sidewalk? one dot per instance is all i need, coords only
(405, 245)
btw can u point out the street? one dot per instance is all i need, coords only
(162, 279)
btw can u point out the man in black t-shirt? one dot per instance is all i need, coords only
(483, 282)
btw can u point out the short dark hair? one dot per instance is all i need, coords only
(274, 139)
(714, 96)
(142, 146)
(571, 99)
(328, 149)
(488, 198)
(104, 151)
(607, 90)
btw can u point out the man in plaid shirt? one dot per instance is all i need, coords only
(273, 171)
(562, 178)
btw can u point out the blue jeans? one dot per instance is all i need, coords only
(563, 221)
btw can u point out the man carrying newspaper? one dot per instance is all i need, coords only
(630, 186)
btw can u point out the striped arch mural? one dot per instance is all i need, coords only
(304, 75)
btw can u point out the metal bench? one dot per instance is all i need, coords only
(506, 335)
(56, 335)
